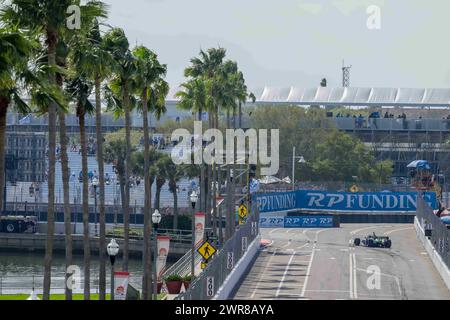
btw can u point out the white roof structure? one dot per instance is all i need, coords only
(352, 96)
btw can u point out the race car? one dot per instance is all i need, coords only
(373, 241)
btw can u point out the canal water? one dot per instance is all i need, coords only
(19, 272)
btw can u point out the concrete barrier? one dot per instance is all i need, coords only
(228, 287)
(440, 266)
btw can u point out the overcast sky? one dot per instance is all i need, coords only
(297, 42)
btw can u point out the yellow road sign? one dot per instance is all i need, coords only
(243, 212)
(203, 265)
(206, 250)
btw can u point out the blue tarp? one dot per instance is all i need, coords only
(419, 164)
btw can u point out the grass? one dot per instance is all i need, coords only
(77, 296)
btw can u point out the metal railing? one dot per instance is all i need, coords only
(206, 285)
(440, 234)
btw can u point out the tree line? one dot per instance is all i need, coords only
(59, 68)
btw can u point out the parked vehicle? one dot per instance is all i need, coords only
(18, 224)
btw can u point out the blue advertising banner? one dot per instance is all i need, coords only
(313, 221)
(271, 222)
(310, 221)
(342, 201)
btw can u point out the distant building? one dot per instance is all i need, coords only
(25, 156)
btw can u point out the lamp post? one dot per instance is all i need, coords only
(301, 160)
(95, 185)
(156, 219)
(194, 198)
(112, 249)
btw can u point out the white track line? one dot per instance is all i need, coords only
(284, 275)
(362, 229)
(355, 282)
(351, 274)
(395, 230)
(308, 272)
(262, 274)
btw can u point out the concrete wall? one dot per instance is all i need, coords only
(440, 266)
(234, 278)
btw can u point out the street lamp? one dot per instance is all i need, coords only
(194, 198)
(301, 160)
(112, 249)
(95, 185)
(156, 219)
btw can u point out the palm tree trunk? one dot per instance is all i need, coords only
(146, 281)
(51, 58)
(158, 195)
(240, 115)
(175, 209)
(67, 212)
(4, 102)
(126, 213)
(86, 238)
(101, 173)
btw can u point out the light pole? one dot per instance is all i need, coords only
(95, 185)
(301, 160)
(156, 219)
(113, 250)
(194, 198)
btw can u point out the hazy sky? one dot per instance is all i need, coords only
(297, 42)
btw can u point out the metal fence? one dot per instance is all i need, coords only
(206, 285)
(440, 233)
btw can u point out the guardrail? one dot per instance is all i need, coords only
(435, 230)
(207, 284)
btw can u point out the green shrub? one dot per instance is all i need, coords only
(174, 277)
(188, 278)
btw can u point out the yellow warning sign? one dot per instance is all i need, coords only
(206, 250)
(242, 211)
(354, 188)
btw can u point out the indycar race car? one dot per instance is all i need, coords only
(373, 241)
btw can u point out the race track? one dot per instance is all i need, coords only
(320, 264)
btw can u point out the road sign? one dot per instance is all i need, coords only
(206, 250)
(203, 264)
(210, 286)
(243, 212)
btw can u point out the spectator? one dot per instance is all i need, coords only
(386, 115)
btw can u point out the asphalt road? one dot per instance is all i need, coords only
(320, 264)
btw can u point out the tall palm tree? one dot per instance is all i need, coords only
(47, 18)
(117, 44)
(79, 90)
(91, 57)
(15, 50)
(208, 66)
(148, 74)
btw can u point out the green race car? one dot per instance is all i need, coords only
(374, 241)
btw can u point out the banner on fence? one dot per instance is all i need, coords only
(342, 201)
(199, 227)
(163, 245)
(309, 221)
(314, 221)
(120, 285)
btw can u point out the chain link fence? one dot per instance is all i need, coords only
(435, 230)
(206, 285)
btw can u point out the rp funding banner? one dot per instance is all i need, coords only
(199, 227)
(121, 285)
(163, 245)
(342, 201)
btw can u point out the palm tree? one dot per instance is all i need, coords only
(48, 19)
(15, 50)
(161, 167)
(79, 90)
(149, 73)
(208, 67)
(90, 56)
(117, 44)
